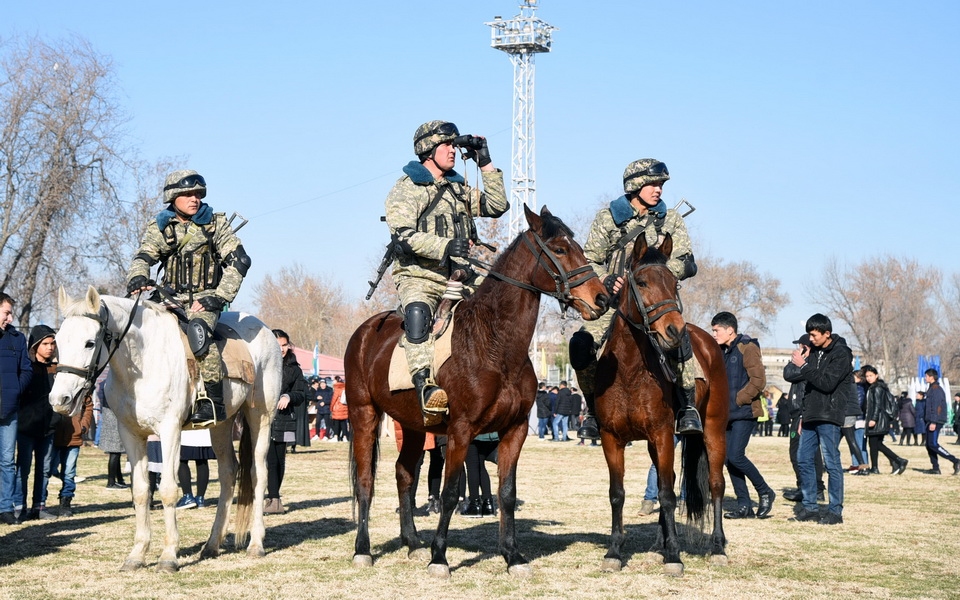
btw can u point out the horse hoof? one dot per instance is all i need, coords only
(209, 552)
(256, 552)
(167, 566)
(439, 571)
(131, 565)
(673, 569)
(362, 560)
(419, 554)
(521, 570)
(719, 560)
(611, 565)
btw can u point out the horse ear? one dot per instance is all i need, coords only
(666, 248)
(639, 248)
(533, 219)
(64, 299)
(93, 299)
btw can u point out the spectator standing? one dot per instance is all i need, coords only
(853, 413)
(195, 446)
(111, 443)
(480, 502)
(956, 416)
(935, 415)
(323, 394)
(339, 414)
(879, 409)
(567, 406)
(36, 424)
(543, 411)
(827, 371)
(15, 375)
(783, 416)
(920, 410)
(283, 431)
(908, 420)
(746, 380)
(795, 404)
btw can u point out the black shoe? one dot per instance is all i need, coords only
(831, 518)
(933, 471)
(766, 504)
(874, 471)
(210, 411)
(793, 495)
(743, 512)
(433, 505)
(118, 486)
(589, 430)
(487, 508)
(862, 472)
(956, 467)
(473, 509)
(807, 515)
(65, 509)
(900, 467)
(433, 399)
(688, 421)
(9, 518)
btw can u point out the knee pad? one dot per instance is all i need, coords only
(583, 350)
(416, 322)
(198, 336)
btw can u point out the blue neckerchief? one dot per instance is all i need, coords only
(421, 176)
(622, 211)
(203, 216)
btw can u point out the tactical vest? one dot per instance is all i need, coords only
(618, 256)
(462, 225)
(191, 267)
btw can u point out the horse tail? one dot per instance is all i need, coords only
(374, 459)
(696, 480)
(244, 486)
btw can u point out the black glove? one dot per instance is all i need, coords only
(212, 303)
(483, 154)
(459, 247)
(137, 283)
(609, 282)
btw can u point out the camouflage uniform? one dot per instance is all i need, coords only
(422, 271)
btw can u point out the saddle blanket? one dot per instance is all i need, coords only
(234, 354)
(399, 377)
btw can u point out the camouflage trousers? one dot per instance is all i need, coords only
(415, 289)
(209, 363)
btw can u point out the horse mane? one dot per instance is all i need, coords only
(552, 227)
(79, 306)
(653, 256)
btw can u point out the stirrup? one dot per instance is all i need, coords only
(433, 404)
(688, 422)
(589, 429)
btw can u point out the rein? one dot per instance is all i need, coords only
(649, 313)
(564, 281)
(105, 340)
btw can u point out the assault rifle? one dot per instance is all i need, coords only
(385, 262)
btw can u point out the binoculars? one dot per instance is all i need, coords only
(468, 141)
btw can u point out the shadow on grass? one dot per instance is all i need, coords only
(38, 538)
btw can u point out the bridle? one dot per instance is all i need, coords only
(564, 281)
(650, 313)
(106, 341)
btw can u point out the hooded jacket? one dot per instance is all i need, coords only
(828, 375)
(35, 418)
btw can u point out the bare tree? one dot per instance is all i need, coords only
(948, 344)
(888, 305)
(59, 157)
(737, 287)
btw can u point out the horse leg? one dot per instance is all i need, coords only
(137, 448)
(365, 420)
(508, 453)
(613, 452)
(663, 442)
(716, 443)
(410, 454)
(221, 439)
(452, 470)
(170, 441)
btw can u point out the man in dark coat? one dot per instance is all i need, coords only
(15, 375)
(543, 410)
(934, 417)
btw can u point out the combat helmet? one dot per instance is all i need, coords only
(644, 172)
(182, 181)
(431, 134)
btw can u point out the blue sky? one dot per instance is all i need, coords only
(800, 131)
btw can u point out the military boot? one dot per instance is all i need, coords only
(209, 410)
(65, 509)
(433, 400)
(688, 419)
(589, 428)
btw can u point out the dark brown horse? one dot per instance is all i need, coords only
(636, 398)
(489, 380)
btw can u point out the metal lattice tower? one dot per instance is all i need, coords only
(522, 37)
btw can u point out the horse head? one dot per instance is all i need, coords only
(80, 341)
(564, 272)
(652, 301)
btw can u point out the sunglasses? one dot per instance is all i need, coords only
(655, 170)
(444, 129)
(187, 182)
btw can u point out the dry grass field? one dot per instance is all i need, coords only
(900, 539)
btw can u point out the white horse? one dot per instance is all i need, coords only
(149, 390)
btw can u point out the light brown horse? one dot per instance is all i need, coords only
(636, 400)
(489, 380)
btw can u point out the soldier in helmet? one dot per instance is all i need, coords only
(203, 265)
(640, 211)
(430, 210)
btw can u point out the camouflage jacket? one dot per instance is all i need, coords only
(193, 264)
(426, 213)
(613, 223)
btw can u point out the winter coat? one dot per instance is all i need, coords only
(338, 409)
(919, 410)
(323, 395)
(70, 430)
(745, 376)
(543, 405)
(567, 405)
(876, 401)
(35, 418)
(908, 418)
(293, 385)
(936, 408)
(828, 374)
(15, 370)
